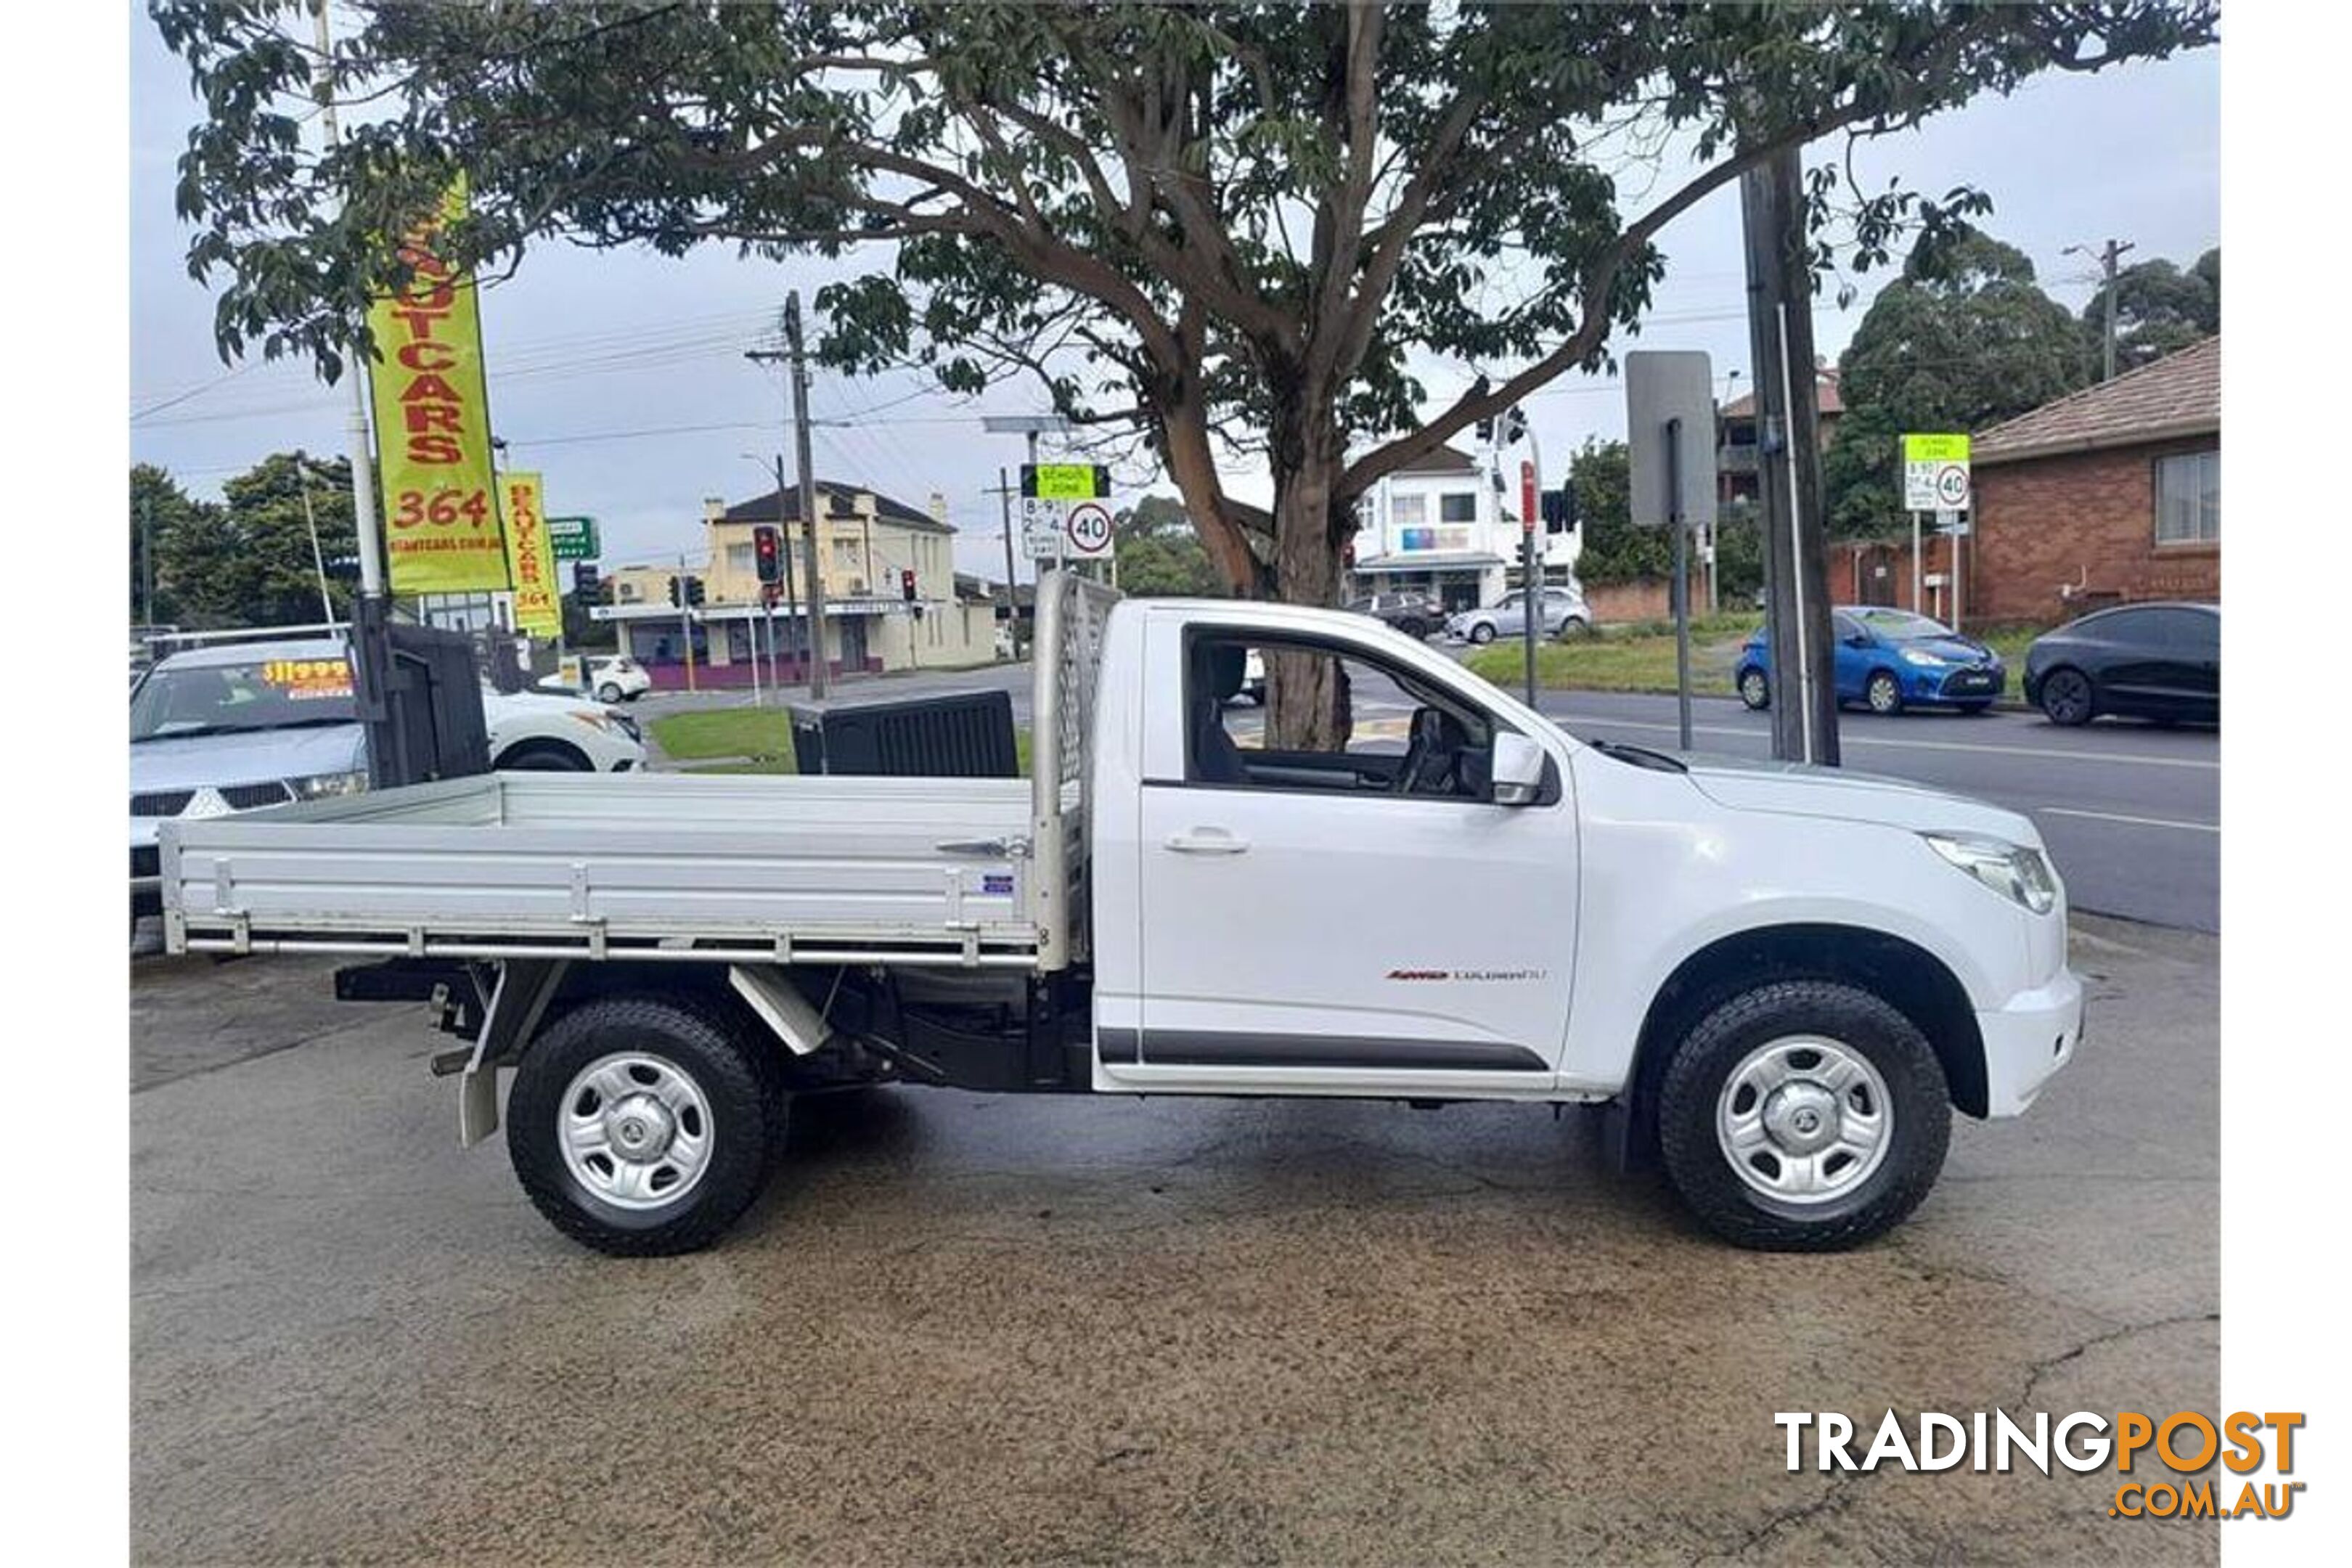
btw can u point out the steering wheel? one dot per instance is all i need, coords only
(1431, 754)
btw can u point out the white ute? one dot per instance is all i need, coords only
(1779, 980)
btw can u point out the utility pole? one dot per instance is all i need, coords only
(784, 552)
(1795, 575)
(371, 618)
(318, 560)
(2109, 255)
(1011, 593)
(147, 560)
(820, 666)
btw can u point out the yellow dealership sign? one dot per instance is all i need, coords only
(530, 556)
(433, 425)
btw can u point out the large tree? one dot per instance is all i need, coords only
(246, 561)
(1159, 551)
(160, 511)
(2160, 309)
(1206, 223)
(1963, 340)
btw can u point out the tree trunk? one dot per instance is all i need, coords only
(1307, 697)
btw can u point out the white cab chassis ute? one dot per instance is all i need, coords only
(1779, 980)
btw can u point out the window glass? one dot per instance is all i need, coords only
(1458, 506)
(2189, 498)
(1408, 510)
(1401, 736)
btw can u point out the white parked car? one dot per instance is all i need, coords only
(611, 679)
(1565, 615)
(218, 731)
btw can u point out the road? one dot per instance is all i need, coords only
(2131, 813)
(970, 1329)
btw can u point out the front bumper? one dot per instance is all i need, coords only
(1962, 685)
(2029, 1039)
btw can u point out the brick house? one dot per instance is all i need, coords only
(2104, 495)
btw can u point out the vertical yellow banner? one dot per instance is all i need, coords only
(530, 557)
(433, 425)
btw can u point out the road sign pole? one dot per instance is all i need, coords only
(1682, 581)
(1918, 604)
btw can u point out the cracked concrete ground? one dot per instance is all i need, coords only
(965, 1328)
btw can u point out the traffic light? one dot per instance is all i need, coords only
(1486, 432)
(767, 551)
(676, 594)
(907, 584)
(584, 584)
(694, 592)
(1560, 507)
(1515, 425)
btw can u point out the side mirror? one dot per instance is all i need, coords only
(1859, 640)
(1518, 768)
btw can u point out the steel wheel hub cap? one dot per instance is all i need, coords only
(635, 1131)
(1805, 1119)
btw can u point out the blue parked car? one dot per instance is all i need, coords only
(1888, 660)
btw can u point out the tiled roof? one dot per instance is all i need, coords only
(2179, 395)
(1444, 460)
(1826, 398)
(836, 499)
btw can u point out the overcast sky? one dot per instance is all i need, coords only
(621, 375)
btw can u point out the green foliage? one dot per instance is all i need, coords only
(160, 512)
(1160, 556)
(1614, 550)
(1964, 340)
(1217, 223)
(2160, 309)
(249, 562)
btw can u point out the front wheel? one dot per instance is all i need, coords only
(1803, 1116)
(1884, 693)
(643, 1128)
(2066, 698)
(1482, 633)
(1573, 628)
(1755, 690)
(608, 694)
(544, 757)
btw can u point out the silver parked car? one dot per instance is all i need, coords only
(1565, 615)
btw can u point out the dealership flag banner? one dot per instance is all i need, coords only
(530, 556)
(433, 425)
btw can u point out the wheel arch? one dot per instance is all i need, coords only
(584, 762)
(1913, 980)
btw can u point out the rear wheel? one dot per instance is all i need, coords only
(543, 757)
(2066, 698)
(1573, 628)
(1754, 689)
(608, 694)
(1803, 1115)
(1482, 633)
(1884, 693)
(643, 1128)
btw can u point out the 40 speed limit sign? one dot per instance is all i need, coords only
(1086, 531)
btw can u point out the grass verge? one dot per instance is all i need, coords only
(1636, 657)
(747, 740)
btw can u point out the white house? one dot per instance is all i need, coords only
(1445, 526)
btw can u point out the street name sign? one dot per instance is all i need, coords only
(1934, 473)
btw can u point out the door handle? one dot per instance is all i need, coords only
(1207, 841)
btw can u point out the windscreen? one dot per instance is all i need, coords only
(228, 698)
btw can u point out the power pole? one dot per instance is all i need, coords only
(1796, 555)
(1011, 593)
(147, 561)
(784, 554)
(2109, 255)
(820, 672)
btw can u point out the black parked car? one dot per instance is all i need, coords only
(1413, 614)
(2159, 661)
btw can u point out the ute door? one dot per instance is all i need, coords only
(1360, 912)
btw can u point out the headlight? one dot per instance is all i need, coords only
(318, 784)
(2013, 870)
(1923, 658)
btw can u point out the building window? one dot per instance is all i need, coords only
(738, 560)
(1408, 510)
(2189, 498)
(1458, 506)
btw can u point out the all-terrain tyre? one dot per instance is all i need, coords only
(1803, 1116)
(642, 1127)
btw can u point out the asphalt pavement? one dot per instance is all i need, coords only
(2131, 813)
(972, 1329)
